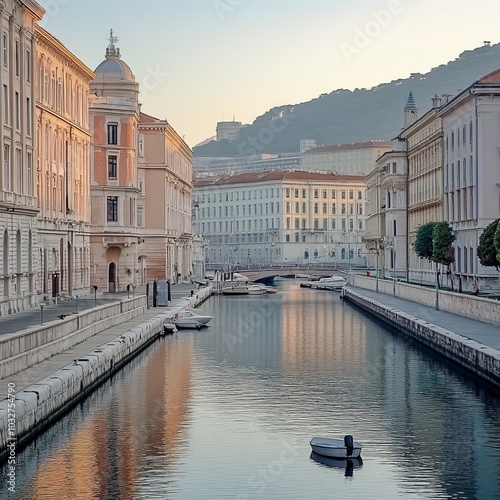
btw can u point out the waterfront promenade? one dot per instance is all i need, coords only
(483, 333)
(26, 319)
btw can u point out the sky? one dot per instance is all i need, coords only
(199, 62)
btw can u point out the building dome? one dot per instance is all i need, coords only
(113, 68)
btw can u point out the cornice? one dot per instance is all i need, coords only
(46, 40)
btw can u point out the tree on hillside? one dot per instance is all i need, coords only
(486, 251)
(442, 246)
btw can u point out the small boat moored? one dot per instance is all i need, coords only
(336, 448)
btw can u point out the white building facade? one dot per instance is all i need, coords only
(471, 130)
(356, 158)
(281, 218)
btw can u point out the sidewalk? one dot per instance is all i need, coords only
(33, 317)
(41, 370)
(484, 333)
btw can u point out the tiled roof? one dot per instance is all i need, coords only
(276, 175)
(144, 118)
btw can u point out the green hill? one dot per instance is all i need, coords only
(362, 114)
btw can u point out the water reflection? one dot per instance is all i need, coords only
(228, 412)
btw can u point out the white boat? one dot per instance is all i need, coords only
(190, 319)
(336, 448)
(235, 290)
(188, 324)
(193, 315)
(330, 283)
(256, 289)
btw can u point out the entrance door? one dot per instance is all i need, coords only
(112, 277)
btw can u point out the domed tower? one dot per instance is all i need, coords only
(114, 117)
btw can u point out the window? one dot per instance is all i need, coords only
(5, 49)
(303, 193)
(296, 193)
(6, 166)
(287, 193)
(316, 193)
(334, 194)
(112, 133)
(112, 167)
(360, 195)
(324, 193)
(113, 208)
(6, 104)
(28, 116)
(316, 208)
(16, 58)
(343, 195)
(29, 159)
(16, 102)
(351, 194)
(28, 66)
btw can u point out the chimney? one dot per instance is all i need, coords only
(436, 101)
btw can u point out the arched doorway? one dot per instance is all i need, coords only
(112, 277)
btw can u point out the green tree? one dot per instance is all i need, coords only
(496, 241)
(488, 253)
(423, 244)
(442, 247)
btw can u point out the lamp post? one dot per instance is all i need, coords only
(95, 295)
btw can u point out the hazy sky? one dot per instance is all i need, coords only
(203, 61)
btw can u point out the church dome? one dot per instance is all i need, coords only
(113, 68)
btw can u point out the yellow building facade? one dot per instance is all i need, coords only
(62, 168)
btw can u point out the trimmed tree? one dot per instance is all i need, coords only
(423, 242)
(442, 246)
(488, 253)
(497, 241)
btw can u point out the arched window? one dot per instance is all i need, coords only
(342, 254)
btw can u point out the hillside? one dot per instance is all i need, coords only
(362, 114)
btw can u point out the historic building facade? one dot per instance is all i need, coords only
(471, 131)
(357, 158)
(62, 168)
(424, 144)
(386, 234)
(18, 207)
(165, 203)
(276, 217)
(114, 185)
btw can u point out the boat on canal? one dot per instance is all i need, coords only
(336, 448)
(190, 319)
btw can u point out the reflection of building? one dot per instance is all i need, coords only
(18, 210)
(114, 118)
(281, 217)
(63, 145)
(357, 158)
(164, 210)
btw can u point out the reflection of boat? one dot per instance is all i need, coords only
(235, 290)
(190, 314)
(330, 283)
(349, 464)
(336, 448)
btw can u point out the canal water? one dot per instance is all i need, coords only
(228, 412)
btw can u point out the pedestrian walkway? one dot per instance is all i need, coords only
(43, 369)
(33, 317)
(484, 333)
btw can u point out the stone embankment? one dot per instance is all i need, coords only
(470, 354)
(38, 405)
